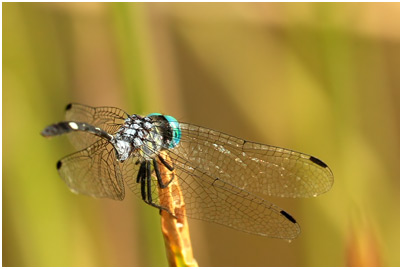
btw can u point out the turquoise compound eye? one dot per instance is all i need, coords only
(176, 131)
(174, 124)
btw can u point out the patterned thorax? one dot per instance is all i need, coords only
(144, 137)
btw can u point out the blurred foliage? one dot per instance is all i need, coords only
(320, 78)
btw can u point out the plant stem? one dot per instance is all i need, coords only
(174, 228)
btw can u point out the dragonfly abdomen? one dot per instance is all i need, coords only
(71, 126)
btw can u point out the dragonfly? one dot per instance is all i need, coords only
(223, 179)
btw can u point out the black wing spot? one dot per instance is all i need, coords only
(68, 107)
(59, 163)
(289, 217)
(319, 162)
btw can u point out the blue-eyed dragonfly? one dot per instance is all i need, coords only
(223, 179)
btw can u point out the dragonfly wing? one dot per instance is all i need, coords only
(130, 170)
(109, 119)
(258, 168)
(215, 200)
(93, 171)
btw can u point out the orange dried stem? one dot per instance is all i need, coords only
(175, 229)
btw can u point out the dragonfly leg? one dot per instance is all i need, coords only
(146, 188)
(165, 163)
(141, 173)
(158, 176)
(148, 178)
(141, 180)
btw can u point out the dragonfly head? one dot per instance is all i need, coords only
(174, 134)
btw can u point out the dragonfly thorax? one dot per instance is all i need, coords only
(138, 136)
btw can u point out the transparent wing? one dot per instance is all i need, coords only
(215, 200)
(93, 171)
(107, 118)
(130, 170)
(257, 168)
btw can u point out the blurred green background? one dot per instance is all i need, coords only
(320, 78)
